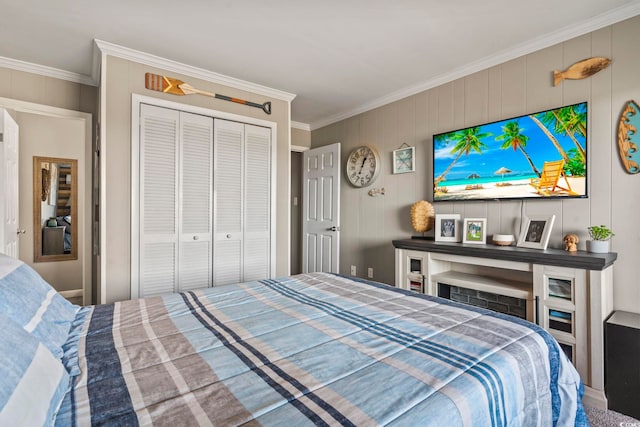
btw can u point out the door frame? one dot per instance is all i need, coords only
(136, 101)
(84, 175)
(294, 149)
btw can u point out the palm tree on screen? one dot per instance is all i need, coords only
(514, 138)
(550, 135)
(465, 141)
(570, 121)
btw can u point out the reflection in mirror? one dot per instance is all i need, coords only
(55, 191)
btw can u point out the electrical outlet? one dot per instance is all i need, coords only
(370, 273)
(353, 270)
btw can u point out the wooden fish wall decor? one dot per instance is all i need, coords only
(581, 69)
(628, 137)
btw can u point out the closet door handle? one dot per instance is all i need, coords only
(228, 236)
(195, 237)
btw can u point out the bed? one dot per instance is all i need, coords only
(313, 349)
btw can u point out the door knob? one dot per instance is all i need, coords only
(21, 231)
(195, 237)
(334, 228)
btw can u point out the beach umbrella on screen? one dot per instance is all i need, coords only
(502, 171)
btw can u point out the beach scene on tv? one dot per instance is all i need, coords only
(533, 156)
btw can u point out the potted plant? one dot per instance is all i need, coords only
(600, 235)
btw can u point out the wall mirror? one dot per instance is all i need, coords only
(55, 209)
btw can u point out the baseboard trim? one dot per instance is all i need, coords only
(595, 398)
(74, 293)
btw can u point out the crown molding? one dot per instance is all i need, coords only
(107, 48)
(559, 36)
(43, 70)
(300, 125)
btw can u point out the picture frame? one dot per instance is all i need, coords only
(474, 231)
(536, 231)
(404, 160)
(447, 228)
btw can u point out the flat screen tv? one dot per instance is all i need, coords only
(541, 155)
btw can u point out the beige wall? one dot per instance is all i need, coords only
(51, 92)
(47, 91)
(300, 137)
(64, 138)
(517, 87)
(121, 78)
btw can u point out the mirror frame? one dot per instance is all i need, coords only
(37, 211)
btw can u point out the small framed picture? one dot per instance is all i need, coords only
(404, 160)
(447, 228)
(536, 231)
(475, 231)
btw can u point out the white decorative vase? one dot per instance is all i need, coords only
(598, 246)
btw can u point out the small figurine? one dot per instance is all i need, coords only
(571, 242)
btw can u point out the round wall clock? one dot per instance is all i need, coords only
(363, 165)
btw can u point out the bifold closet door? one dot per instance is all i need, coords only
(175, 248)
(257, 202)
(195, 202)
(228, 202)
(242, 205)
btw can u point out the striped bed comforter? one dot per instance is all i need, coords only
(315, 349)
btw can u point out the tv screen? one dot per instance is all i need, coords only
(541, 155)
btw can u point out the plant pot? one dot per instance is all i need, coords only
(598, 246)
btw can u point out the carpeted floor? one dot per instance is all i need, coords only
(604, 418)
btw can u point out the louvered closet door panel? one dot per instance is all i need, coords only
(196, 157)
(157, 268)
(228, 203)
(195, 265)
(227, 267)
(257, 198)
(158, 200)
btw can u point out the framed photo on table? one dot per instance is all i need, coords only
(404, 160)
(475, 231)
(447, 228)
(536, 231)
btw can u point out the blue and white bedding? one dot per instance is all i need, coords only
(316, 349)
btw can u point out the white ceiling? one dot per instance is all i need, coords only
(340, 57)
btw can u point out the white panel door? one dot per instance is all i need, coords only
(257, 203)
(9, 185)
(228, 203)
(196, 189)
(158, 248)
(321, 209)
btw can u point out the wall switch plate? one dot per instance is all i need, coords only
(370, 273)
(353, 270)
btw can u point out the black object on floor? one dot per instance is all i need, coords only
(622, 359)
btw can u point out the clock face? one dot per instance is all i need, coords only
(363, 165)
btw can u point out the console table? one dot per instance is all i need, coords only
(568, 294)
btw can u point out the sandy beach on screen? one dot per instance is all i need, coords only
(506, 189)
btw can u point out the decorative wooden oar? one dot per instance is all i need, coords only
(178, 87)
